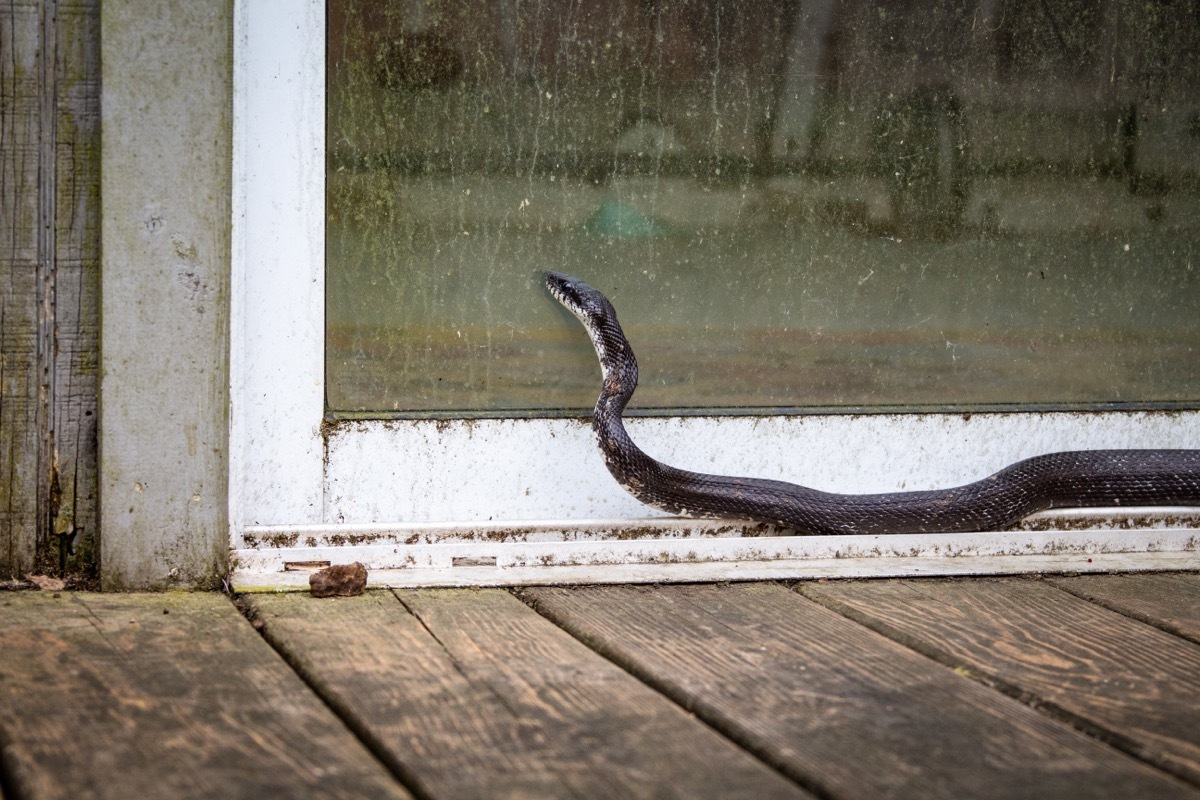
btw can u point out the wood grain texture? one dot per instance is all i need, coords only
(19, 217)
(469, 693)
(166, 178)
(49, 285)
(1128, 683)
(836, 706)
(1170, 601)
(75, 508)
(166, 696)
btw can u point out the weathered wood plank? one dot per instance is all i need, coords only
(835, 705)
(49, 285)
(1126, 682)
(1170, 601)
(75, 508)
(469, 693)
(166, 178)
(166, 696)
(19, 44)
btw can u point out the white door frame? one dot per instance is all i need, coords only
(528, 500)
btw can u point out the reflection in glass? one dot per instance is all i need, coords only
(791, 205)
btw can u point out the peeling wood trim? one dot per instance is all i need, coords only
(673, 549)
(473, 573)
(264, 538)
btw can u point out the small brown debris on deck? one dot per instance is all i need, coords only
(1071, 687)
(47, 583)
(340, 580)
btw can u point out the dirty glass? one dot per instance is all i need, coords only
(792, 205)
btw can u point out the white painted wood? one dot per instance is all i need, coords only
(486, 470)
(443, 482)
(919, 566)
(691, 550)
(278, 261)
(673, 549)
(270, 537)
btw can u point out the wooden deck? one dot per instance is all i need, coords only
(1016, 687)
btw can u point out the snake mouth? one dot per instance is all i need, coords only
(557, 282)
(567, 290)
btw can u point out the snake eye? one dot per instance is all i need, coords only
(567, 290)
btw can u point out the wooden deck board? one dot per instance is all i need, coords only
(1170, 601)
(1124, 681)
(162, 696)
(834, 705)
(469, 693)
(473, 693)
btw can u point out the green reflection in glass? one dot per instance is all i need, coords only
(894, 204)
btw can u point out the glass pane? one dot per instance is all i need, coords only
(792, 205)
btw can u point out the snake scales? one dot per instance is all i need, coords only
(1086, 478)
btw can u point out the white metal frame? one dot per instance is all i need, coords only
(529, 501)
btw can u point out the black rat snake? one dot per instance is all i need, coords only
(1088, 478)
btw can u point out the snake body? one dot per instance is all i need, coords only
(1075, 479)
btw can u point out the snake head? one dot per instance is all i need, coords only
(600, 319)
(589, 305)
(571, 292)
